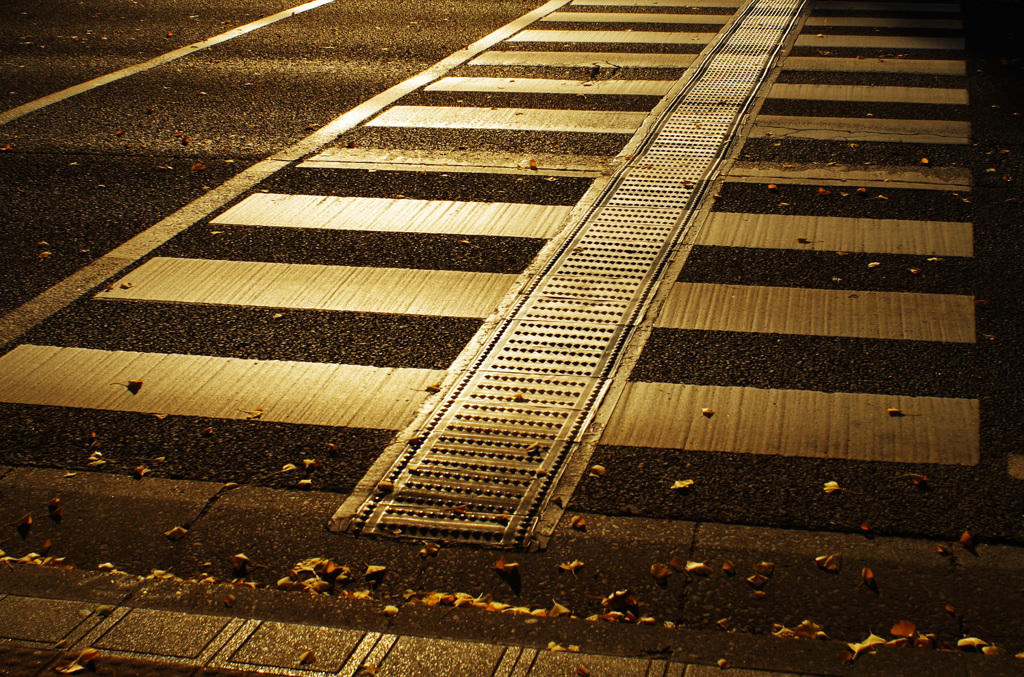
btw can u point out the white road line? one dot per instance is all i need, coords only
(819, 312)
(798, 423)
(63, 94)
(500, 219)
(217, 387)
(32, 312)
(868, 93)
(657, 3)
(832, 233)
(524, 119)
(584, 59)
(543, 86)
(631, 37)
(626, 17)
(545, 164)
(838, 64)
(862, 129)
(881, 22)
(399, 291)
(879, 41)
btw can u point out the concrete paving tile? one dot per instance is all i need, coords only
(106, 518)
(556, 664)
(162, 633)
(281, 645)
(23, 662)
(40, 620)
(440, 658)
(51, 583)
(710, 671)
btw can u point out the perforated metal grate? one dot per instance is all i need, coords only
(487, 458)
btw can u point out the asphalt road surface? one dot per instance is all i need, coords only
(241, 273)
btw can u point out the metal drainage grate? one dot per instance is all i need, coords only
(487, 458)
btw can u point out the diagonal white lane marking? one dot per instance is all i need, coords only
(31, 106)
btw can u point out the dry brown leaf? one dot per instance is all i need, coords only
(757, 580)
(305, 484)
(660, 571)
(506, 567)
(533, 164)
(904, 629)
(766, 569)
(677, 563)
(724, 664)
(967, 540)
(824, 191)
(176, 533)
(240, 561)
(374, 570)
(727, 568)
(773, 187)
(707, 412)
(867, 577)
(307, 657)
(140, 471)
(198, 167)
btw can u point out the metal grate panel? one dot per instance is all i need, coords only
(489, 455)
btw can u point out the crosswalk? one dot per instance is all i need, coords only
(457, 246)
(855, 425)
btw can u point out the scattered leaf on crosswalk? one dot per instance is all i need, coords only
(307, 657)
(859, 647)
(557, 610)
(597, 471)
(390, 610)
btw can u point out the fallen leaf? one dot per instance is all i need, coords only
(390, 610)
(698, 568)
(914, 271)
(764, 568)
(824, 191)
(557, 610)
(386, 487)
(993, 650)
(904, 629)
(708, 412)
(918, 480)
(660, 572)
(429, 549)
(582, 671)
(578, 523)
(867, 578)
(140, 471)
(865, 527)
(374, 570)
(288, 467)
(967, 540)
(874, 264)
(571, 566)
(862, 190)
(728, 569)
(307, 657)
(832, 487)
(860, 647)
(305, 484)
(773, 187)
(724, 623)
(972, 642)
(533, 164)
(724, 664)
(177, 533)
(682, 484)
(924, 160)
(757, 580)
(555, 646)
(597, 471)
(830, 563)
(229, 601)
(506, 567)
(239, 561)
(949, 609)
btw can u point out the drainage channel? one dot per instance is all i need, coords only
(485, 462)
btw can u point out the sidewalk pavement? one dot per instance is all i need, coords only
(147, 626)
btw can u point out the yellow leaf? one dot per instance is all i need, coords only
(698, 568)
(724, 623)
(239, 561)
(554, 646)
(429, 549)
(831, 487)
(307, 657)
(874, 264)
(682, 484)
(229, 601)
(867, 577)
(288, 467)
(597, 471)
(708, 412)
(830, 563)
(904, 629)
(571, 566)
(727, 568)
(924, 160)
(764, 568)
(578, 523)
(724, 664)
(506, 567)
(305, 484)
(558, 610)
(993, 650)
(390, 610)
(374, 569)
(757, 580)
(972, 642)
(859, 647)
